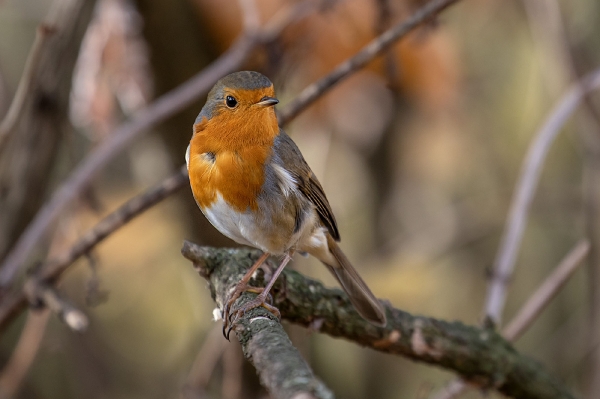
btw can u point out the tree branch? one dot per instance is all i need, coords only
(525, 189)
(280, 367)
(515, 224)
(51, 270)
(16, 368)
(546, 291)
(35, 124)
(205, 363)
(42, 293)
(529, 312)
(17, 106)
(370, 51)
(479, 355)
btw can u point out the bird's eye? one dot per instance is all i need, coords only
(230, 101)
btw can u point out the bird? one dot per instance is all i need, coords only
(252, 183)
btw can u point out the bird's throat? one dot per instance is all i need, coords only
(235, 168)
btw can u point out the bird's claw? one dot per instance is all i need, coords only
(231, 318)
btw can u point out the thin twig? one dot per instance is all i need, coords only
(370, 51)
(233, 361)
(52, 269)
(383, 22)
(123, 136)
(132, 208)
(206, 360)
(250, 18)
(24, 353)
(521, 202)
(548, 26)
(525, 189)
(44, 31)
(532, 308)
(44, 293)
(287, 16)
(546, 291)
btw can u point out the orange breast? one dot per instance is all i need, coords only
(228, 158)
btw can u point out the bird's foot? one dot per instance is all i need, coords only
(230, 319)
(260, 300)
(226, 313)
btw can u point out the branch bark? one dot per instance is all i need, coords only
(280, 367)
(478, 355)
(33, 129)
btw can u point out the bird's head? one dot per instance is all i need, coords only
(238, 113)
(239, 95)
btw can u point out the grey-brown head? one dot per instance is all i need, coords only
(238, 91)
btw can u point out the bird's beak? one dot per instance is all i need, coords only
(267, 101)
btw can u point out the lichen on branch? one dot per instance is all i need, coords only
(478, 355)
(281, 368)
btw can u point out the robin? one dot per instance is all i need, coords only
(252, 183)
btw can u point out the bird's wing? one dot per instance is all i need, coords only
(291, 158)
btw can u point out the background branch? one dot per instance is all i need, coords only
(38, 119)
(205, 363)
(49, 296)
(49, 271)
(515, 226)
(478, 355)
(24, 354)
(43, 32)
(546, 291)
(120, 139)
(529, 312)
(370, 51)
(525, 189)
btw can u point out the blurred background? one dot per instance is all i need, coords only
(418, 153)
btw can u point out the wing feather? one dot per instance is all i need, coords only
(291, 158)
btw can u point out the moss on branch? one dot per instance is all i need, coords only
(265, 343)
(478, 355)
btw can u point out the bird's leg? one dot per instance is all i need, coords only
(260, 300)
(240, 288)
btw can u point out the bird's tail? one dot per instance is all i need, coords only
(359, 293)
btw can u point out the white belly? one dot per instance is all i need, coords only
(261, 232)
(230, 222)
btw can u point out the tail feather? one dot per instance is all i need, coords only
(359, 293)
